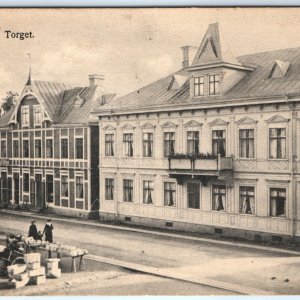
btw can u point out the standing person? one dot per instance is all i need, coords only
(33, 230)
(48, 231)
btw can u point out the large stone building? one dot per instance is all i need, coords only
(49, 148)
(211, 148)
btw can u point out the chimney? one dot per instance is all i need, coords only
(188, 55)
(96, 79)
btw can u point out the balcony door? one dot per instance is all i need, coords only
(193, 194)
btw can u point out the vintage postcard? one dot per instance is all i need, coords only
(150, 151)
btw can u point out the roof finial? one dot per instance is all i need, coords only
(29, 76)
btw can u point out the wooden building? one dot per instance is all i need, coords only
(211, 148)
(49, 148)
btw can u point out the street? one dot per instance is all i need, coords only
(270, 271)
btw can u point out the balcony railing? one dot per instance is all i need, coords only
(191, 163)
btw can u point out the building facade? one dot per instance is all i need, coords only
(49, 148)
(212, 148)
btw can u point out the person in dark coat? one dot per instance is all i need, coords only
(48, 231)
(33, 230)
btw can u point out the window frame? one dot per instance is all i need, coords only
(148, 144)
(77, 138)
(169, 142)
(46, 150)
(27, 191)
(214, 139)
(148, 188)
(215, 83)
(25, 108)
(109, 150)
(23, 149)
(67, 184)
(77, 176)
(247, 186)
(37, 108)
(127, 144)
(247, 140)
(109, 183)
(213, 193)
(199, 85)
(61, 147)
(41, 150)
(195, 146)
(278, 189)
(169, 188)
(128, 190)
(14, 148)
(277, 139)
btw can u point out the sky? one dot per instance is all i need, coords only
(131, 47)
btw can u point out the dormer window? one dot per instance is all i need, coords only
(214, 84)
(198, 86)
(25, 116)
(37, 115)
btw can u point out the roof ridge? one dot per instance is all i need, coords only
(265, 52)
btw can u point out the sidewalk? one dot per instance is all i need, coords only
(153, 231)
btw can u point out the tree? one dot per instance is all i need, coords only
(9, 101)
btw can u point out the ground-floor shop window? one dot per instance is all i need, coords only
(193, 195)
(218, 197)
(169, 194)
(148, 190)
(247, 200)
(109, 189)
(277, 202)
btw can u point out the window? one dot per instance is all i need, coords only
(169, 144)
(15, 148)
(64, 186)
(79, 187)
(49, 188)
(148, 192)
(38, 148)
(193, 195)
(277, 143)
(127, 190)
(214, 84)
(218, 197)
(198, 86)
(109, 189)
(193, 142)
(25, 182)
(49, 148)
(37, 115)
(277, 202)
(147, 144)
(247, 200)
(109, 145)
(218, 142)
(26, 148)
(247, 143)
(169, 194)
(64, 148)
(79, 148)
(128, 144)
(25, 116)
(3, 148)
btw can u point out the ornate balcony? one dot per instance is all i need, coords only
(203, 167)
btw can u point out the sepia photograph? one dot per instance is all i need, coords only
(150, 151)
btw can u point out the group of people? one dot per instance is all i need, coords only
(38, 235)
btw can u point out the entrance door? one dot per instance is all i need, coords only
(16, 188)
(193, 194)
(39, 197)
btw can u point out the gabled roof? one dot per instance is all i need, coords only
(214, 48)
(59, 102)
